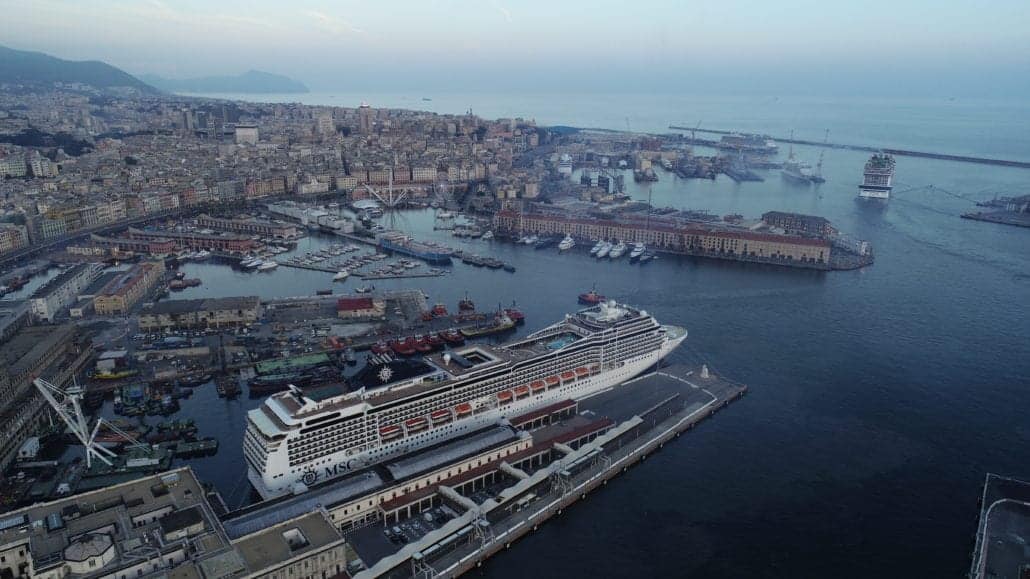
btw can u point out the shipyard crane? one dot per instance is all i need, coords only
(67, 403)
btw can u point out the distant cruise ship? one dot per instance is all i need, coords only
(879, 177)
(294, 440)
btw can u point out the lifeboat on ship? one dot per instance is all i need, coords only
(567, 376)
(537, 386)
(504, 396)
(552, 381)
(463, 409)
(582, 372)
(416, 424)
(390, 432)
(521, 391)
(439, 416)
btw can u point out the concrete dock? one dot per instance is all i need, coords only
(459, 527)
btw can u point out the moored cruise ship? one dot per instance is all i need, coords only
(294, 440)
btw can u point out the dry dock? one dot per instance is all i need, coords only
(609, 433)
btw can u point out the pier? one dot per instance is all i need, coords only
(612, 432)
(890, 151)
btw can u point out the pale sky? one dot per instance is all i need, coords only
(367, 44)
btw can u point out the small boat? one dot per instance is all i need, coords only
(324, 292)
(466, 305)
(452, 337)
(515, 314)
(501, 323)
(509, 268)
(591, 298)
(647, 258)
(567, 243)
(421, 344)
(617, 250)
(202, 255)
(488, 235)
(341, 275)
(267, 266)
(603, 252)
(638, 250)
(403, 347)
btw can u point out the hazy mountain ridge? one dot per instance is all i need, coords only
(252, 81)
(28, 66)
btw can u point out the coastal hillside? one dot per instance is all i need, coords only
(36, 67)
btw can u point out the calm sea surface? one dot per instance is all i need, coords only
(879, 398)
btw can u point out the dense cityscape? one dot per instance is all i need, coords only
(276, 339)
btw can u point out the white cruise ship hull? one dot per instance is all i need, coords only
(874, 193)
(577, 389)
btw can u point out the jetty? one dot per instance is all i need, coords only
(867, 148)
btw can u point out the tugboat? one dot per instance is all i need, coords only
(591, 298)
(452, 337)
(403, 347)
(439, 311)
(515, 314)
(466, 305)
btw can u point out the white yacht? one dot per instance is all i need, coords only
(267, 266)
(603, 252)
(567, 243)
(617, 251)
(341, 275)
(488, 235)
(597, 247)
(638, 250)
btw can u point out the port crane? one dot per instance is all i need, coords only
(67, 402)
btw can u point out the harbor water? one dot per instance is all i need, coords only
(879, 398)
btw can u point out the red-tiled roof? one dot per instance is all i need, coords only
(354, 304)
